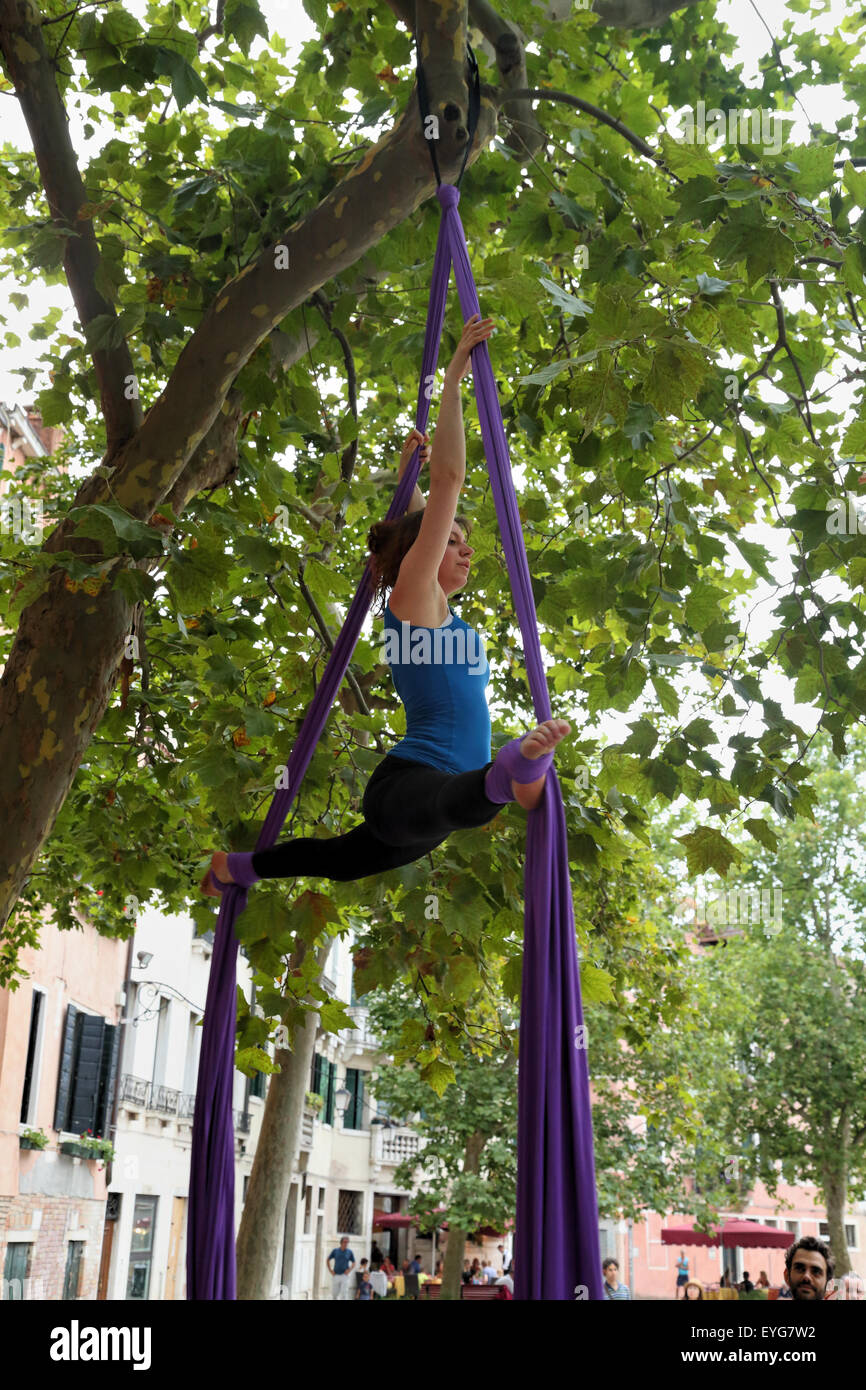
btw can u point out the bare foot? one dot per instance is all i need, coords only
(542, 740)
(219, 864)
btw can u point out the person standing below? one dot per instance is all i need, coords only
(365, 1288)
(746, 1285)
(343, 1261)
(612, 1287)
(490, 1274)
(466, 1276)
(762, 1280)
(360, 1273)
(682, 1273)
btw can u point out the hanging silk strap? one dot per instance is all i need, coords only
(557, 1240)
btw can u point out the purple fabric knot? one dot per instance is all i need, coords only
(448, 195)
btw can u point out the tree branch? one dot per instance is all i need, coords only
(553, 94)
(33, 74)
(327, 638)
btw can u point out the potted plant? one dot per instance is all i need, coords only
(315, 1101)
(32, 1139)
(89, 1145)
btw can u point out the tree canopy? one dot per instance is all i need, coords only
(668, 316)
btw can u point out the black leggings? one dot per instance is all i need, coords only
(409, 808)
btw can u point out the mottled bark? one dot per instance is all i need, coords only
(261, 1230)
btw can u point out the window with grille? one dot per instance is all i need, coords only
(349, 1213)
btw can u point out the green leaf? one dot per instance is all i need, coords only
(596, 985)
(568, 303)
(243, 20)
(116, 530)
(707, 848)
(711, 285)
(439, 1075)
(763, 833)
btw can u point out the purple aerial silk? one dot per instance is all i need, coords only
(557, 1246)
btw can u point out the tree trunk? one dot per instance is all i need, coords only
(263, 1220)
(836, 1197)
(452, 1266)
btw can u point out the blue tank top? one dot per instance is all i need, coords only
(441, 675)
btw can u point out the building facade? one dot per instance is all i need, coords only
(59, 1046)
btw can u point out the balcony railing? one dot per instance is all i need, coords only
(361, 1033)
(392, 1146)
(135, 1091)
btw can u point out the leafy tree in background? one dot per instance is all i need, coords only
(162, 644)
(794, 1005)
(467, 1164)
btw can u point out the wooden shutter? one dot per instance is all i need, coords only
(64, 1079)
(330, 1092)
(88, 1068)
(316, 1085)
(107, 1080)
(355, 1108)
(35, 1012)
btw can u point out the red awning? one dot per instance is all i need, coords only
(391, 1221)
(732, 1234)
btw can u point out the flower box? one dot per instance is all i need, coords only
(77, 1150)
(27, 1143)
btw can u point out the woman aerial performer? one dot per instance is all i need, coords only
(439, 777)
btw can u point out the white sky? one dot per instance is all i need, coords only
(288, 18)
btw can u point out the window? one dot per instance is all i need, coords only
(88, 1070)
(308, 1209)
(354, 1115)
(72, 1277)
(324, 1083)
(34, 1044)
(850, 1234)
(258, 1083)
(141, 1248)
(793, 1228)
(193, 1050)
(349, 1213)
(16, 1269)
(160, 1051)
